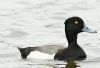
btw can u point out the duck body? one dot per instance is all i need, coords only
(73, 51)
(73, 26)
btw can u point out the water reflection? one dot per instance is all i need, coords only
(70, 64)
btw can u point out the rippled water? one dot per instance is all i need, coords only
(41, 22)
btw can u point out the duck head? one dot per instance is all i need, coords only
(73, 26)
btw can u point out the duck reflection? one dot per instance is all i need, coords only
(70, 64)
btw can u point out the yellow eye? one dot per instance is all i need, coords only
(76, 22)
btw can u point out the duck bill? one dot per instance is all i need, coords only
(87, 29)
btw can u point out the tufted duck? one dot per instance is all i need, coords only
(73, 26)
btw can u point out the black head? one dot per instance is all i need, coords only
(76, 25)
(73, 26)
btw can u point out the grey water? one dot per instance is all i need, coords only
(27, 23)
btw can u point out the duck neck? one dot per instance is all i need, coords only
(71, 37)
